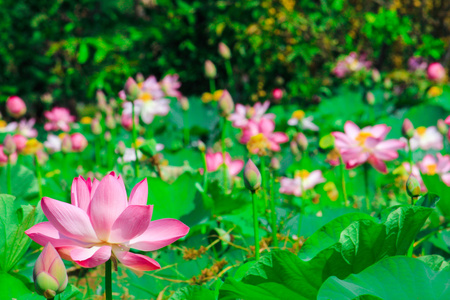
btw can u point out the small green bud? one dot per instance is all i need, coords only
(413, 187)
(252, 176)
(224, 51)
(407, 129)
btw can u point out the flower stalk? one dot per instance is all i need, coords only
(134, 137)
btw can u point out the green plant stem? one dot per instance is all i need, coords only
(410, 156)
(97, 151)
(255, 224)
(186, 127)
(108, 280)
(225, 168)
(212, 85)
(134, 137)
(205, 173)
(366, 184)
(344, 189)
(229, 73)
(272, 210)
(39, 176)
(8, 175)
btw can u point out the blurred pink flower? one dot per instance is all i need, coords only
(53, 143)
(79, 142)
(416, 63)
(351, 63)
(26, 128)
(170, 86)
(302, 181)
(244, 114)
(4, 157)
(358, 146)
(436, 72)
(59, 118)
(215, 160)
(15, 106)
(277, 94)
(267, 137)
(447, 120)
(20, 142)
(101, 221)
(149, 90)
(430, 166)
(147, 110)
(427, 138)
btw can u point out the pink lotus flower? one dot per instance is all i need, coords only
(244, 114)
(26, 128)
(4, 157)
(15, 106)
(351, 63)
(430, 166)
(264, 137)
(53, 143)
(170, 86)
(101, 222)
(147, 110)
(427, 138)
(127, 121)
(58, 118)
(79, 142)
(302, 181)
(358, 146)
(447, 120)
(436, 72)
(215, 160)
(148, 90)
(20, 142)
(277, 94)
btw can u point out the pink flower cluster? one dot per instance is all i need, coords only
(215, 160)
(350, 64)
(59, 118)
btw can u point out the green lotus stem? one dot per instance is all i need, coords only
(410, 156)
(39, 176)
(255, 224)
(263, 180)
(97, 152)
(366, 183)
(272, 210)
(225, 168)
(134, 137)
(212, 85)
(344, 189)
(186, 127)
(108, 280)
(229, 72)
(8, 175)
(205, 173)
(108, 154)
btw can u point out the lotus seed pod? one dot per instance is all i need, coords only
(210, 69)
(413, 187)
(252, 176)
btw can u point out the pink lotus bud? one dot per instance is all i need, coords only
(275, 163)
(388, 83)
(79, 142)
(15, 106)
(224, 51)
(413, 187)
(101, 100)
(20, 141)
(252, 176)
(108, 136)
(442, 127)
(9, 145)
(140, 78)
(184, 102)
(210, 69)
(49, 273)
(127, 122)
(301, 141)
(96, 127)
(376, 75)
(277, 94)
(226, 104)
(131, 89)
(447, 120)
(120, 148)
(407, 129)
(110, 121)
(370, 98)
(66, 144)
(436, 72)
(47, 98)
(42, 157)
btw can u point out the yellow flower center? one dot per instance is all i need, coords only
(86, 120)
(139, 142)
(434, 91)
(362, 137)
(62, 135)
(207, 97)
(431, 169)
(145, 96)
(258, 144)
(298, 114)
(140, 85)
(303, 174)
(421, 130)
(250, 112)
(32, 146)
(217, 94)
(3, 123)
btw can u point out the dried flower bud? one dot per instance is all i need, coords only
(407, 129)
(370, 98)
(226, 104)
(210, 70)
(49, 273)
(413, 187)
(131, 89)
(9, 145)
(224, 51)
(252, 176)
(120, 148)
(442, 127)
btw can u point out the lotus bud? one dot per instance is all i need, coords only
(120, 148)
(47, 98)
(277, 94)
(210, 70)
(413, 187)
(42, 157)
(302, 141)
(201, 146)
(79, 142)
(15, 106)
(407, 129)
(140, 78)
(376, 75)
(49, 273)
(224, 51)
(294, 148)
(131, 89)
(20, 142)
(96, 127)
(388, 83)
(108, 136)
(442, 127)
(127, 121)
(184, 102)
(252, 176)
(275, 163)
(436, 72)
(370, 98)
(101, 100)
(110, 122)
(66, 144)
(226, 104)
(9, 145)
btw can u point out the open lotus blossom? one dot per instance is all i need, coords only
(260, 137)
(148, 90)
(243, 115)
(215, 160)
(298, 117)
(358, 146)
(53, 143)
(170, 86)
(101, 222)
(427, 138)
(440, 166)
(147, 110)
(59, 118)
(351, 63)
(302, 181)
